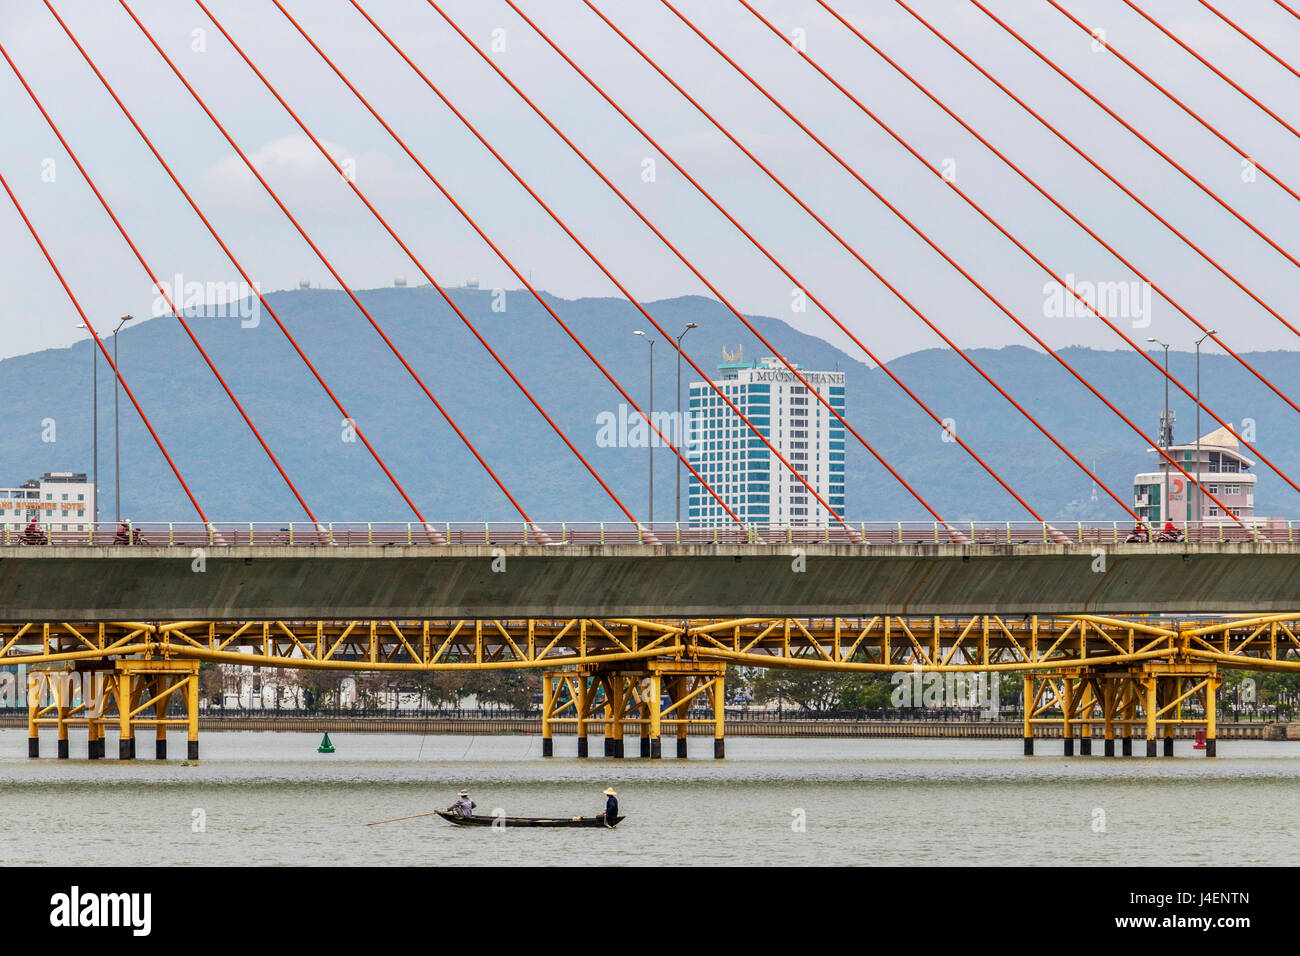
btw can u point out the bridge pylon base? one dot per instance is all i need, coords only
(1154, 698)
(132, 694)
(650, 697)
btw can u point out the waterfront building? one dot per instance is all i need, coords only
(1222, 470)
(58, 500)
(738, 465)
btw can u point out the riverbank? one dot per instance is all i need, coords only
(481, 726)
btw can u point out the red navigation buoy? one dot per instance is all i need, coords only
(1200, 741)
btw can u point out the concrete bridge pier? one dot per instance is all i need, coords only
(647, 695)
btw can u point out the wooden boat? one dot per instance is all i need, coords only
(477, 821)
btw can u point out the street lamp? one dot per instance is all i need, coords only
(648, 419)
(117, 449)
(1166, 433)
(94, 418)
(680, 430)
(1199, 502)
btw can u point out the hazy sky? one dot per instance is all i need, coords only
(35, 314)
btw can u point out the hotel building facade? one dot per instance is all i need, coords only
(1223, 471)
(58, 501)
(740, 467)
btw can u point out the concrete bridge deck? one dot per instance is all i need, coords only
(639, 580)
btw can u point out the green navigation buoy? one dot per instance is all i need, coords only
(325, 746)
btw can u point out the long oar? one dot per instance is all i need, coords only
(396, 819)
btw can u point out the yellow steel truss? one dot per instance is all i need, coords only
(1079, 671)
(882, 643)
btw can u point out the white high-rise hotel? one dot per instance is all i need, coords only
(737, 464)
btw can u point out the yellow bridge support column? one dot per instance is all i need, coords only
(548, 696)
(679, 685)
(63, 703)
(1086, 705)
(192, 718)
(160, 714)
(1028, 708)
(1211, 716)
(642, 706)
(1170, 693)
(718, 692)
(656, 716)
(1150, 704)
(1130, 688)
(126, 730)
(95, 717)
(33, 708)
(584, 695)
(1067, 709)
(1109, 699)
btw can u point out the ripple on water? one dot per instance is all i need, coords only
(270, 799)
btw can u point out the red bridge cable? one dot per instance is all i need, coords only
(406, 249)
(1224, 17)
(1152, 146)
(102, 348)
(519, 275)
(871, 355)
(993, 223)
(803, 205)
(1050, 198)
(662, 238)
(691, 267)
(1205, 63)
(352, 295)
(1101, 169)
(145, 265)
(850, 249)
(920, 233)
(1288, 9)
(628, 295)
(231, 256)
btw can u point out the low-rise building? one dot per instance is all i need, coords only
(58, 501)
(1222, 470)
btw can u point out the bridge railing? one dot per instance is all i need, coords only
(402, 534)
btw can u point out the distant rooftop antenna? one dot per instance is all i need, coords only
(304, 283)
(399, 282)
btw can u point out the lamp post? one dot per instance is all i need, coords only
(648, 419)
(1165, 430)
(94, 420)
(117, 445)
(680, 430)
(1199, 503)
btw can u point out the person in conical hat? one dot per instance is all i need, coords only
(611, 806)
(463, 806)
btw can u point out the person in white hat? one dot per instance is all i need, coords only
(611, 805)
(463, 806)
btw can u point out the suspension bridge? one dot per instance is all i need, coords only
(631, 623)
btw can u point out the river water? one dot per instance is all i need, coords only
(269, 799)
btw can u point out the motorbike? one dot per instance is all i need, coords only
(34, 535)
(126, 535)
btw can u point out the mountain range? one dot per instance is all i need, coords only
(234, 479)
